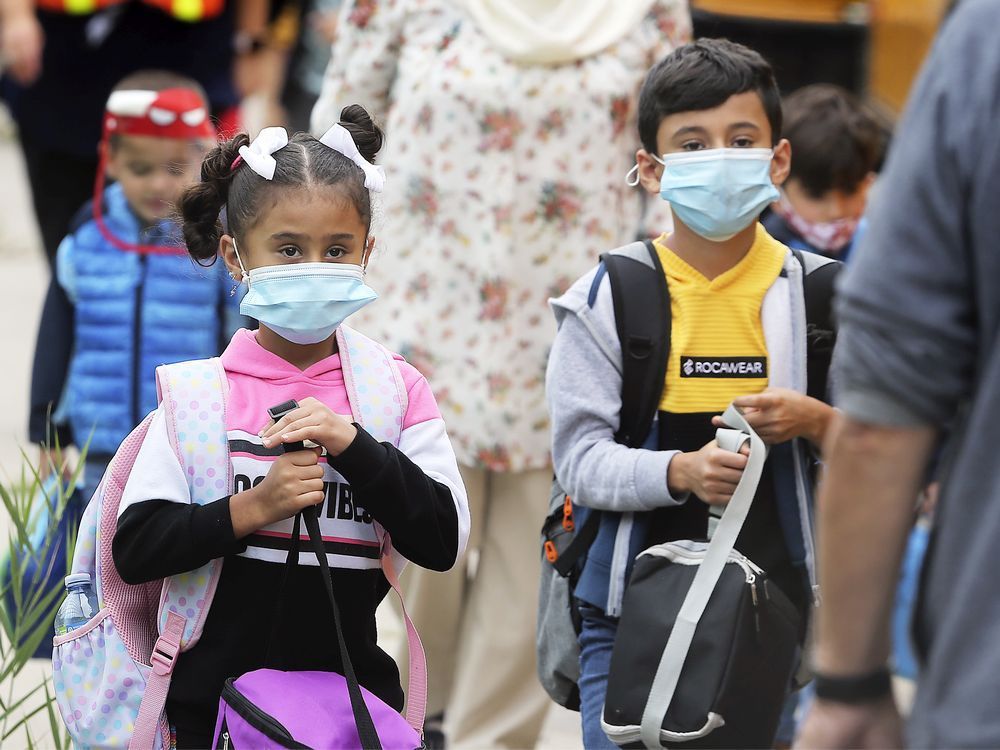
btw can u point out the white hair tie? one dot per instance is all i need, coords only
(258, 154)
(340, 140)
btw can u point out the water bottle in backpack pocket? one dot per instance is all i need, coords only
(79, 606)
(98, 685)
(92, 672)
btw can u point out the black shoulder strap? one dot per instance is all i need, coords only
(818, 287)
(362, 717)
(642, 317)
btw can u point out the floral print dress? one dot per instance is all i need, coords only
(505, 183)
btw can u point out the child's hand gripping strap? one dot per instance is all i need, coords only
(668, 672)
(193, 396)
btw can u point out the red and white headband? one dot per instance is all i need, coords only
(171, 113)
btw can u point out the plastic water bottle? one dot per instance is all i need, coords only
(79, 606)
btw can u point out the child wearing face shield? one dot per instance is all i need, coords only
(838, 145)
(377, 462)
(125, 297)
(710, 123)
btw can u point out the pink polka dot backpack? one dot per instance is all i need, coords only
(112, 675)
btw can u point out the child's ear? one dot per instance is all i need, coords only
(110, 168)
(781, 162)
(227, 251)
(650, 171)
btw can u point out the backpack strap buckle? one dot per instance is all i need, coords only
(168, 645)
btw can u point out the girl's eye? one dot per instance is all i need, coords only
(337, 252)
(290, 251)
(692, 146)
(743, 141)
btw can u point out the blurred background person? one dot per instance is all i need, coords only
(125, 297)
(63, 57)
(917, 365)
(510, 127)
(308, 59)
(838, 144)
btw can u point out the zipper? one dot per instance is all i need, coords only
(753, 573)
(258, 719)
(137, 341)
(619, 564)
(225, 741)
(750, 569)
(797, 299)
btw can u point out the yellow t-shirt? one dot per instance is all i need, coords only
(717, 346)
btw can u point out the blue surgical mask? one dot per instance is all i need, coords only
(719, 192)
(305, 302)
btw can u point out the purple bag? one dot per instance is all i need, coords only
(267, 709)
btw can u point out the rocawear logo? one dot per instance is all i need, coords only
(723, 367)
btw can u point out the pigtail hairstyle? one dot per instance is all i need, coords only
(367, 135)
(202, 203)
(303, 163)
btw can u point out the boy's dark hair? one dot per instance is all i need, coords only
(703, 75)
(155, 80)
(158, 80)
(837, 140)
(304, 162)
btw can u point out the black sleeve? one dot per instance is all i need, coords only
(159, 538)
(53, 349)
(418, 512)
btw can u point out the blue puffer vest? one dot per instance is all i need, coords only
(133, 313)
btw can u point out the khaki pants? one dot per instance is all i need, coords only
(479, 631)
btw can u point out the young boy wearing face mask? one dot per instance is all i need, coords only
(710, 125)
(838, 144)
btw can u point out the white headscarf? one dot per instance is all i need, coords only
(552, 32)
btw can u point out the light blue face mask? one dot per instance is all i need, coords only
(305, 302)
(718, 192)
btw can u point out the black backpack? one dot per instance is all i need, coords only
(641, 302)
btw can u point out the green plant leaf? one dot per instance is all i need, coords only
(8, 710)
(23, 722)
(17, 516)
(30, 634)
(55, 722)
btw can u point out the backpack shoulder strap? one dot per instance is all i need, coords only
(819, 278)
(641, 302)
(642, 317)
(378, 398)
(193, 396)
(375, 387)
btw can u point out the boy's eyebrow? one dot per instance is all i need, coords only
(743, 125)
(690, 130)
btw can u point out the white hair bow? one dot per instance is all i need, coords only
(258, 154)
(339, 139)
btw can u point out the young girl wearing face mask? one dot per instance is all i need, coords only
(298, 215)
